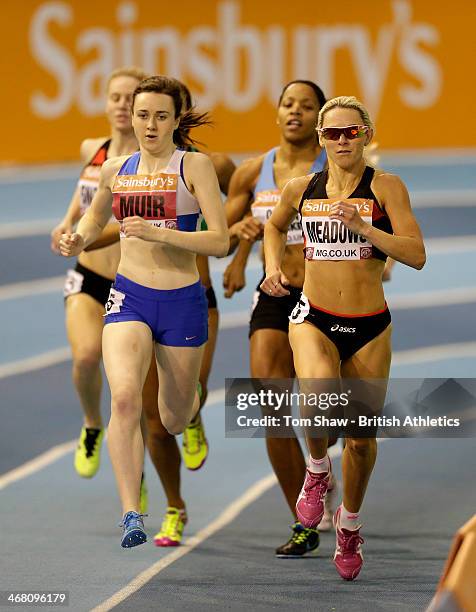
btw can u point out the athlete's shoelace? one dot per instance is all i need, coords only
(171, 524)
(349, 544)
(192, 437)
(315, 489)
(90, 440)
(132, 519)
(300, 534)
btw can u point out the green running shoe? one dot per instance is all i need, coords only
(171, 531)
(144, 495)
(303, 542)
(88, 452)
(194, 445)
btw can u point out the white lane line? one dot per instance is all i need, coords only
(429, 354)
(437, 297)
(434, 246)
(425, 299)
(443, 198)
(38, 362)
(225, 518)
(23, 229)
(437, 352)
(450, 244)
(40, 172)
(37, 464)
(41, 286)
(429, 157)
(420, 199)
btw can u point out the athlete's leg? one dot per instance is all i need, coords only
(271, 357)
(127, 349)
(162, 446)
(84, 325)
(315, 357)
(317, 362)
(178, 369)
(358, 459)
(209, 351)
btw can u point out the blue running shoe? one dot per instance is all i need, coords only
(134, 533)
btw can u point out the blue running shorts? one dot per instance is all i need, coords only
(176, 317)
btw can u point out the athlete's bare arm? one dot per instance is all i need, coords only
(97, 215)
(237, 206)
(275, 235)
(86, 150)
(202, 181)
(406, 243)
(239, 201)
(224, 167)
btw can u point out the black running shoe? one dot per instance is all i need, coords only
(302, 542)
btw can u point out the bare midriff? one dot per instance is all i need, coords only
(102, 261)
(156, 265)
(345, 287)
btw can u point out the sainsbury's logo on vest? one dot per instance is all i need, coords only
(165, 181)
(324, 206)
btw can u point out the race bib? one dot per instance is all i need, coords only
(254, 301)
(114, 302)
(262, 209)
(330, 239)
(88, 185)
(73, 283)
(300, 311)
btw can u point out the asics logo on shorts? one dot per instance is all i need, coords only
(345, 330)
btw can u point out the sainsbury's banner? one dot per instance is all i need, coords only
(408, 61)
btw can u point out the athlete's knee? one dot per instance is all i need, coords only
(126, 403)
(155, 428)
(174, 425)
(86, 360)
(363, 447)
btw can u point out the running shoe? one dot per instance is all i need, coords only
(348, 557)
(194, 444)
(330, 503)
(88, 452)
(310, 503)
(133, 530)
(171, 531)
(302, 542)
(144, 495)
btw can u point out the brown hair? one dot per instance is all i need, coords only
(127, 71)
(189, 118)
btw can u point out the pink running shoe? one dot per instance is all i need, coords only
(310, 503)
(348, 557)
(330, 503)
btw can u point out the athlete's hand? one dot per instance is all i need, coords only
(275, 284)
(248, 228)
(137, 227)
(233, 278)
(64, 227)
(349, 215)
(71, 245)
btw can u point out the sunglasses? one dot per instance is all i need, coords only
(349, 131)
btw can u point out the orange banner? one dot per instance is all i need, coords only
(408, 61)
